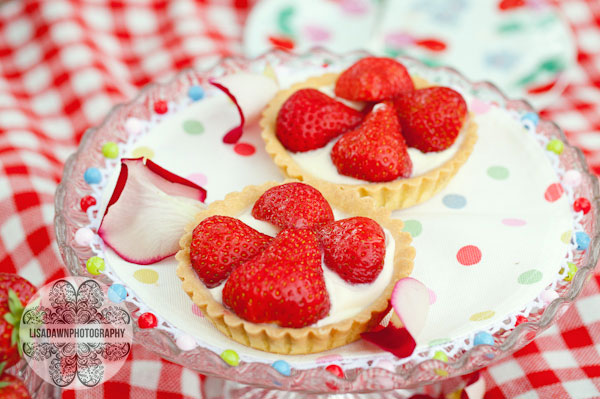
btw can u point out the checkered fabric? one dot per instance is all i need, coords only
(64, 63)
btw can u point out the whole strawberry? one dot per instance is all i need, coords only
(12, 387)
(375, 151)
(354, 248)
(282, 285)
(15, 293)
(309, 119)
(293, 205)
(374, 79)
(222, 243)
(431, 118)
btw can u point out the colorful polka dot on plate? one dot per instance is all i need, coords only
(146, 276)
(192, 126)
(414, 227)
(554, 192)
(530, 277)
(117, 293)
(92, 176)
(316, 33)
(356, 7)
(468, 255)
(244, 149)
(432, 296)
(566, 236)
(454, 201)
(438, 341)
(481, 316)
(498, 172)
(143, 152)
(512, 222)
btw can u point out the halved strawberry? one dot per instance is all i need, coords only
(354, 248)
(293, 205)
(222, 243)
(282, 285)
(374, 79)
(15, 293)
(375, 151)
(309, 119)
(431, 118)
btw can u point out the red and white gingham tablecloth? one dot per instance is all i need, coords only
(65, 63)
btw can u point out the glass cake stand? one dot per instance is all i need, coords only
(421, 373)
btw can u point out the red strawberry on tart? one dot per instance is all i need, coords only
(290, 269)
(372, 129)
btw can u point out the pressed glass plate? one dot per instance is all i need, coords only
(373, 370)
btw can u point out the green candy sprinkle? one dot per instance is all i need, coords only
(556, 146)
(110, 150)
(441, 356)
(571, 272)
(95, 265)
(230, 357)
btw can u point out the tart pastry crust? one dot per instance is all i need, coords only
(397, 194)
(284, 340)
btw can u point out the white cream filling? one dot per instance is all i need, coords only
(347, 300)
(318, 162)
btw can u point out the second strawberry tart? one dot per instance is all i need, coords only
(373, 129)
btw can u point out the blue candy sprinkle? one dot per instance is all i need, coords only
(532, 117)
(117, 293)
(282, 367)
(196, 93)
(483, 338)
(582, 239)
(92, 176)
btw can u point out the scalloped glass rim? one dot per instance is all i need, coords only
(317, 380)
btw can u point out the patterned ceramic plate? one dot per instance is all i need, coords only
(523, 46)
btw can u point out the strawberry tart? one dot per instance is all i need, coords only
(381, 133)
(288, 269)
